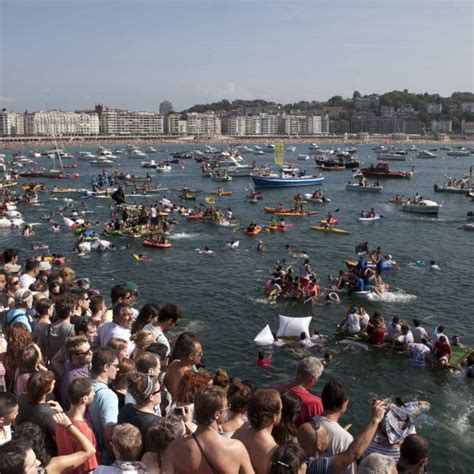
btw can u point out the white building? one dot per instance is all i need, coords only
(234, 125)
(11, 124)
(434, 109)
(467, 128)
(442, 126)
(60, 123)
(126, 122)
(253, 125)
(207, 124)
(268, 124)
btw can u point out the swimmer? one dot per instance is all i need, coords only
(433, 265)
(305, 341)
(261, 247)
(234, 244)
(327, 359)
(264, 362)
(55, 228)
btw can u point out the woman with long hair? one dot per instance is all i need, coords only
(18, 336)
(286, 431)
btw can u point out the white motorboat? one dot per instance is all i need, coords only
(163, 167)
(426, 154)
(303, 157)
(34, 154)
(291, 149)
(390, 156)
(150, 149)
(137, 154)
(258, 152)
(459, 152)
(87, 155)
(364, 188)
(313, 146)
(102, 162)
(424, 206)
(149, 164)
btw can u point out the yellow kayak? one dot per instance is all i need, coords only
(330, 230)
(221, 193)
(210, 200)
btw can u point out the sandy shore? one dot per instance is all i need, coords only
(121, 142)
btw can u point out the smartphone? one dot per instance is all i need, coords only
(178, 411)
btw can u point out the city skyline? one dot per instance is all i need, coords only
(133, 55)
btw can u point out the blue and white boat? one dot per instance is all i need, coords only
(287, 177)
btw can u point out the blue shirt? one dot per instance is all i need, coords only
(103, 412)
(319, 466)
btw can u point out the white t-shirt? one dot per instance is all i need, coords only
(419, 333)
(353, 323)
(5, 434)
(406, 338)
(160, 337)
(393, 331)
(436, 337)
(419, 352)
(26, 280)
(109, 330)
(339, 440)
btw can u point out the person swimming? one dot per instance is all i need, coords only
(264, 362)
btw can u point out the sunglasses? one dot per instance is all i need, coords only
(84, 353)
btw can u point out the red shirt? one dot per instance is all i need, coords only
(68, 445)
(376, 336)
(442, 349)
(311, 405)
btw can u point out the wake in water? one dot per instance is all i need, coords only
(183, 235)
(262, 301)
(391, 297)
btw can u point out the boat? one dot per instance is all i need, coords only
(149, 164)
(330, 230)
(342, 159)
(293, 213)
(451, 189)
(287, 177)
(195, 217)
(158, 245)
(303, 157)
(426, 154)
(389, 156)
(469, 226)
(150, 149)
(332, 168)
(399, 200)
(255, 231)
(163, 167)
(68, 190)
(369, 219)
(272, 210)
(313, 197)
(102, 163)
(291, 149)
(382, 170)
(459, 152)
(221, 193)
(275, 228)
(424, 206)
(364, 188)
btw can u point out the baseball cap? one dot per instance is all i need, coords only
(132, 287)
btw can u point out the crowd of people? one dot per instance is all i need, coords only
(89, 385)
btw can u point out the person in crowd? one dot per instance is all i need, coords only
(29, 360)
(8, 414)
(394, 329)
(439, 331)
(80, 394)
(148, 313)
(308, 373)
(377, 463)
(335, 398)
(221, 379)
(103, 411)
(53, 336)
(288, 458)
(18, 336)
(120, 346)
(127, 446)
(17, 457)
(145, 390)
(121, 383)
(120, 326)
(44, 312)
(442, 351)
(78, 363)
(414, 453)
(37, 407)
(206, 447)
(32, 269)
(190, 354)
(264, 413)
(142, 340)
(119, 294)
(285, 432)
(239, 395)
(419, 332)
(168, 317)
(158, 438)
(97, 308)
(19, 314)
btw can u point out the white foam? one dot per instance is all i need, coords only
(390, 297)
(183, 235)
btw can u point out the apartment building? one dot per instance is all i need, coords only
(60, 123)
(434, 109)
(467, 128)
(207, 124)
(166, 107)
(126, 122)
(442, 126)
(11, 124)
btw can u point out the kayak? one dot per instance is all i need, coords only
(151, 243)
(332, 230)
(310, 197)
(333, 221)
(295, 213)
(369, 219)
(221, 193)
(272, 210)
(256, 231)
(195, 217)
(398, 201)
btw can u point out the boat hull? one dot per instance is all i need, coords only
(274, 182)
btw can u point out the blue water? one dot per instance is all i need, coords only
(222, 299)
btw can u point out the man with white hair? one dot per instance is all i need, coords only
(307, 375)
(378, 464)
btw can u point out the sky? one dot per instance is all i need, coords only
(133, 54)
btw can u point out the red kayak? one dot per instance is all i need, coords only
(196, 217)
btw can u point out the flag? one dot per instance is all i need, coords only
(279, 153)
